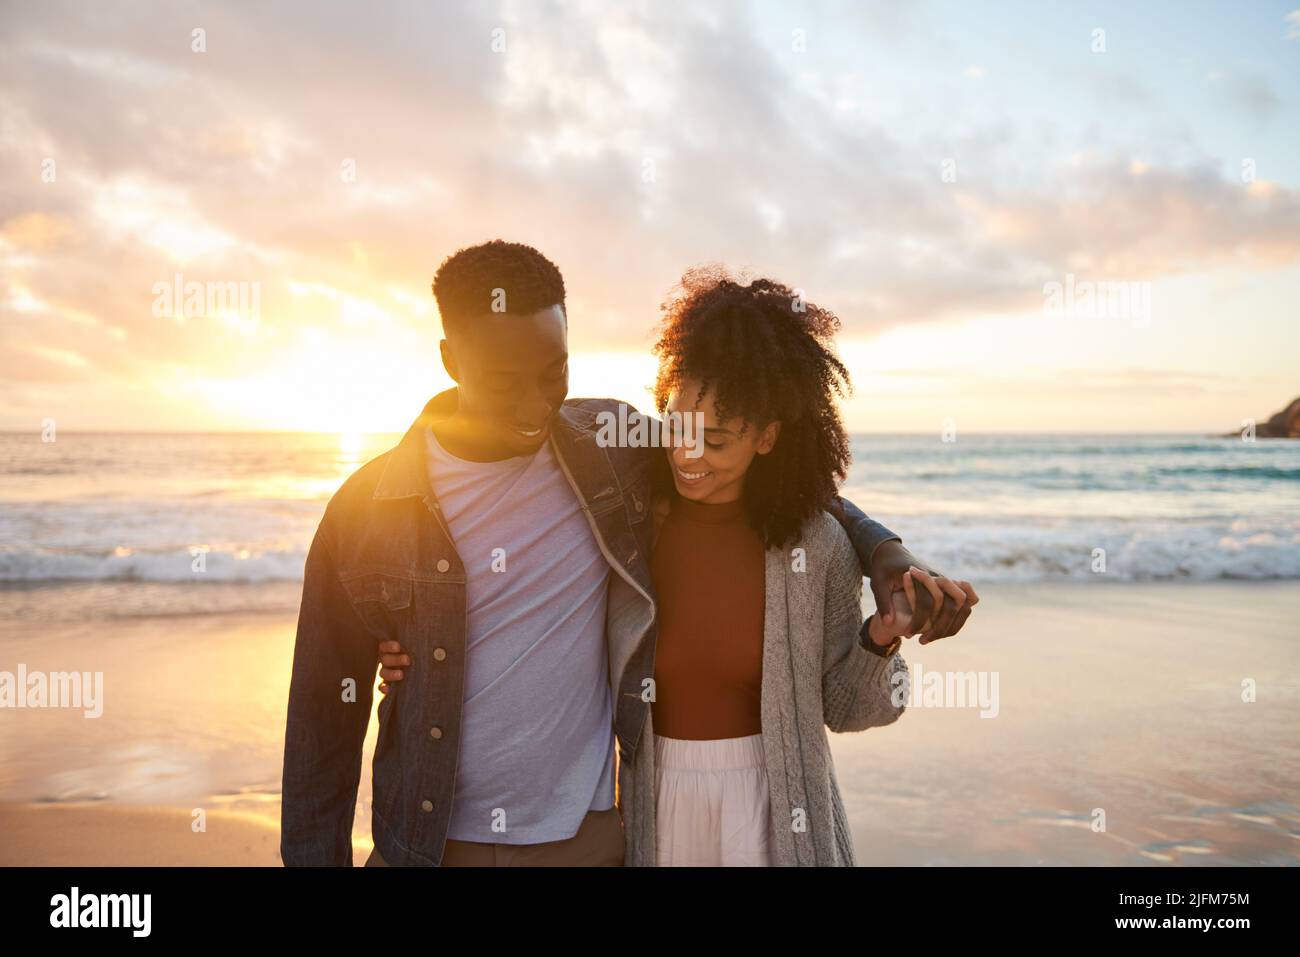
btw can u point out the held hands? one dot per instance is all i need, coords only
(899, 619)
(940, 607)
(884, 629)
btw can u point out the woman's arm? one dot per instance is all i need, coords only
(860, 689)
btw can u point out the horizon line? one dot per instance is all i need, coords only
(1204, 433)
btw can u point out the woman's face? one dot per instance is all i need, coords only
(727, 446)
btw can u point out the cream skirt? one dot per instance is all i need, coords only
(712, 805)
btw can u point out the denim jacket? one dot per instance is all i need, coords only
(383, 566)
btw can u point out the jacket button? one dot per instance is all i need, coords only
(426, 805)
(435, 732)
(443, 564)
(439, 654)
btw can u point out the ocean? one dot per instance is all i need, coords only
(133, 510)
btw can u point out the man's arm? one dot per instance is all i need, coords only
(865, 533)
(327, 719)
(882, 558)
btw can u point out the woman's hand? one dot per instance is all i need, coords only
(885, 628)
(392, 659)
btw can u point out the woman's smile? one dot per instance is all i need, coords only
(691, 478)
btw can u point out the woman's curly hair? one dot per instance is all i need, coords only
(768, 356)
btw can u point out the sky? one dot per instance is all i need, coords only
(951, 180)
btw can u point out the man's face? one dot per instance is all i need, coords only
(512, 374)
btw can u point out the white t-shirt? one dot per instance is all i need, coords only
(537, 735)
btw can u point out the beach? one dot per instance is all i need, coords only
(1120, 734)
(119, 835)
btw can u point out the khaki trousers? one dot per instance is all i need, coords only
(598, 843)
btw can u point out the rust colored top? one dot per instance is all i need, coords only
(708, 571)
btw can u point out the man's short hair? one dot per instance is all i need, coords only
(495, 277)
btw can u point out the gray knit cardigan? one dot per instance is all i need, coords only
(815, 676)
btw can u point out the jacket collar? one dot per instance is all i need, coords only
(406, 472)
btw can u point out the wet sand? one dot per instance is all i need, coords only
(121, 835)
(1121, 736)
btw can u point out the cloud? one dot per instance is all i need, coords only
(627, 142)
(1246, 91)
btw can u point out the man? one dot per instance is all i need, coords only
(506, 551)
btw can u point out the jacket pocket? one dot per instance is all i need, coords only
(391, 591)
(381, 600)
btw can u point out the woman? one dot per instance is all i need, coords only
(757, 591)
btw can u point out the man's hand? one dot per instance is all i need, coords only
(392, 659)
(943, 605)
